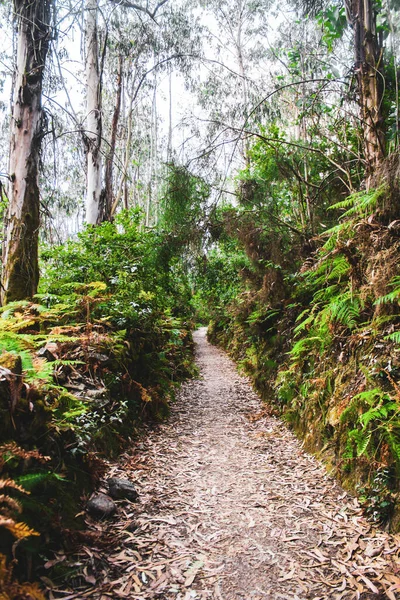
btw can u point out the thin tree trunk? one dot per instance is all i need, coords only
(242, 71)
(108, 178)
(169, 145)
(123, 181)
(93, 129)
(21, 228)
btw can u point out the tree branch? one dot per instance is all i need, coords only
(144, 9)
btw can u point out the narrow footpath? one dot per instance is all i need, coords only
(231, 508)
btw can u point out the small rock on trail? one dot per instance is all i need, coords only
(122, 489)
(101, 506)
(231, 508)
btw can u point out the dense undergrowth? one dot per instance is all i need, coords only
(316, 327)
(99, 350)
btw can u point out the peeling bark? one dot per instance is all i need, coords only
(21, 227)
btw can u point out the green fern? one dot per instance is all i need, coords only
(304, 324)
(329, 269)
(8, 310)
(32, 480)
(43, 373)
(305, 345)
(361, 203)
(394, 295)
(392, 437)
(380, 419)
(37, 340)
(67, 410)
(361, 439)
(393, 337)
(346, 309)
(326, 294)
(373, 397)
(334, 234)
(378, 413)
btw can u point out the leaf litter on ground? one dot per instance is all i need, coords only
(231, 508)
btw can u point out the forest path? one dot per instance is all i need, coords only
(231, 508)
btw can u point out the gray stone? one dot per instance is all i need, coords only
(102, 359)
(122, 489)
(97, 394)
(45, 353)
(101, 506)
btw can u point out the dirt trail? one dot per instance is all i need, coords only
(231, 508)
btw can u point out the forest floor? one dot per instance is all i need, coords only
(232, 508)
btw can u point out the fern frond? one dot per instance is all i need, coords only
(362, 442)
(18, 530)
(304, 345)
(360, 203)
(10, 503)
(302, 314)
(327, 293)
(339, 268)
(329, 269)
(394, 295)
(370, 398)
(31, 480)
(393, 337)
(11, 449)
(10, 308)
(333, 234)
(10, 483)
(345, 204)
(393, 439)
(304, 324)
(61, 362)
(346, 310)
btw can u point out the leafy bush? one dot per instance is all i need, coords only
(101, 348)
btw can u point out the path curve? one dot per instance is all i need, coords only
(232, 509)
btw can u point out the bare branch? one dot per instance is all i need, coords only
(144, 9)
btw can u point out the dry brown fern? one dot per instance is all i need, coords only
(12, 590)
(10, 483)
(8, 505)
(12, 449)
(18, 529)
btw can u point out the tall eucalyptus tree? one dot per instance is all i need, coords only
(368, 69)
(371, 81)
(20, 246)
(99, 203)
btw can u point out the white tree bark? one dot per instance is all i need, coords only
(93, 127)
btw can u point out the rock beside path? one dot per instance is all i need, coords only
(101, 506)
(122, 489)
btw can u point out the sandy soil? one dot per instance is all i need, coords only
(231, 508)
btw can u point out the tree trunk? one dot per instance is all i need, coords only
(107, 204)
(368, 55)
(122, 188)
(21, 228)
(93, 129)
